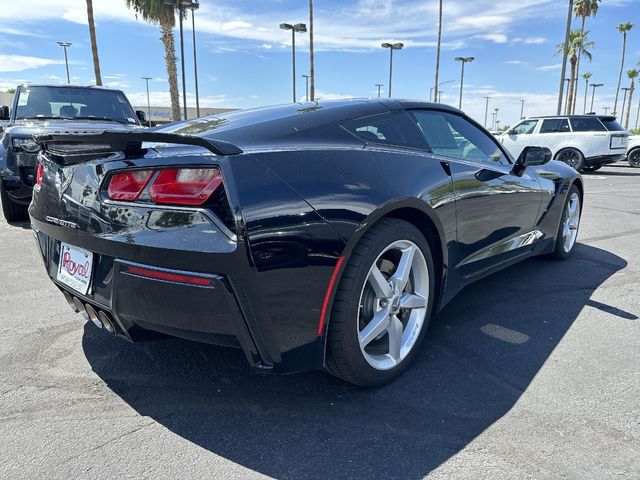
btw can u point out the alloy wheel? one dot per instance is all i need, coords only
(571, 222)
(393, 305)
(571, 158)
(634, 158)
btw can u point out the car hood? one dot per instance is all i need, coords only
(31, 127)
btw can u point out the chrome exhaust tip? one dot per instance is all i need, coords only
(106, 321)
(80, 308)
(93, 316)
(70, 301)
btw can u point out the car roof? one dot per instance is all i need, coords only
(537, 117)
(68, 85)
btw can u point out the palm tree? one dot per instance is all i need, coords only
(623, 28)
(577, 43)
(582, 10)
(586, 76)
(157, 12)
(94, 42)
(435, 88)
(632, 74)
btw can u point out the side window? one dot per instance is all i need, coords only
(394, 128)
(587, 124)
(453, 136)
(525, 128)
(555, 125)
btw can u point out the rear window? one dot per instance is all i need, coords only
(587, 125)
(555, 125)
(388, 129)
(611, 124)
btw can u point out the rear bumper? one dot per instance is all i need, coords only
(604, 159)
(137, 306)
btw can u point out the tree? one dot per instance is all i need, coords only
(586, 76)
(94, 42)
(312, 68)
(632, 74)
(577, 43)
(435, 88)
(623, 28)
(582, 10)
(159, 13)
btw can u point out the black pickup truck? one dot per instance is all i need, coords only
(39, 109)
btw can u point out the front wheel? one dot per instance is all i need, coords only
(382, 305)
(569, 225)
(634, 158)
(11, 210)
(571, 157)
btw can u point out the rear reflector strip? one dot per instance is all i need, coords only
(327, 296)
(169, 276)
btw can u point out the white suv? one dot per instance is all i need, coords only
(633, 151)
(586, 142)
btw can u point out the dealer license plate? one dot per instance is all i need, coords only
(75, 267)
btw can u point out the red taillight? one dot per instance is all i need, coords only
(128, 186)
(39, 174)
(169, 276)
(185, 186)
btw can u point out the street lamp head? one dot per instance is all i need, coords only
(386, 45)
(286, 26)
(189, 4)
(465, 59)
(65, 44)
(300, 28)
(397, 46)
(597, 84)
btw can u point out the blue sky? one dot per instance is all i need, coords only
(245, 60)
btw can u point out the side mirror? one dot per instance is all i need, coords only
(531, 156)
(4, 113)
(141, 116)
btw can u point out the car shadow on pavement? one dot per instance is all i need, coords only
(481, 353)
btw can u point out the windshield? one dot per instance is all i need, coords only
(70, 103)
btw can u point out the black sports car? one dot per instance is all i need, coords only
(318, 235)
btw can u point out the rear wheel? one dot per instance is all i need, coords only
(634, 158)
(11, 210)
(382, 305)
(569, 225)
(571, 157)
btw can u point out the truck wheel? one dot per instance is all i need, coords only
(571, 157)
(11, 210)
(634, 158)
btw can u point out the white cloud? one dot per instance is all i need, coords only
(546, 68)
(514, 62)
(18, 63)
(494, 37)
(320, 95)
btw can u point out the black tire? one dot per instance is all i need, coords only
(344, 356)
(11, 210)
(634, 158)
(572, 157)
(559, 251)
(592, 168)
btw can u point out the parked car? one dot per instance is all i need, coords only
(633, 151)
(585, 142)
(313, 235)
(38, 108)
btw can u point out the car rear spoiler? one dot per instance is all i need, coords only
(74, 148)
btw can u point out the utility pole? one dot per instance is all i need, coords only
(391, 47)
(379, 85)
(462, 60)
(297, 28)
(486, 111)
(146, 79)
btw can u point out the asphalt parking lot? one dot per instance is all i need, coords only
(532, 373)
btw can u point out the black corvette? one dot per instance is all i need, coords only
(319, 235)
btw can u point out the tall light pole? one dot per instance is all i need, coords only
(462, 60)
(522, 109)
(565, 51)
(624, 101)
(379, 85)
(66, 45)
(297, 28)
(391, 47)
(146, 79)
(306, 80)
(606, 109)
(486, 111)
(193, 6)
(312, 66)
(593, 93)
(566, 103)
(432, 97)
(495, 119)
